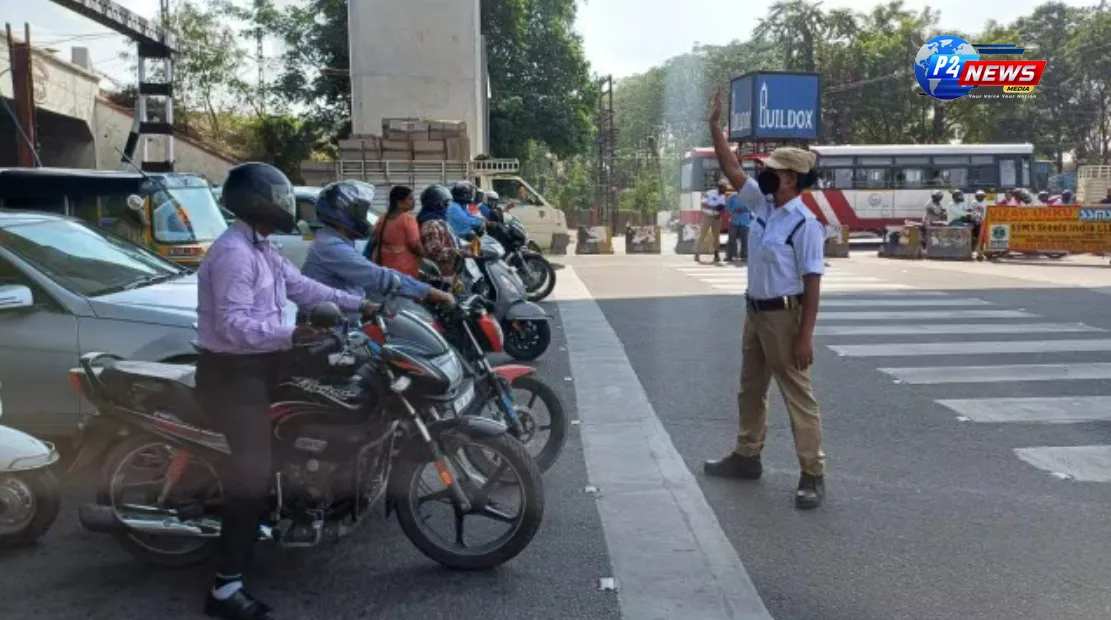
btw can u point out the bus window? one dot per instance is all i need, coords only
(873, 178)
(1008, 174)
(1026, 172)
(953, 177)
(686, 177)
(910, 177)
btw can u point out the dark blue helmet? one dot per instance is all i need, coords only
(344, 206)
(463, 192)
(259, 193)
(435, 196)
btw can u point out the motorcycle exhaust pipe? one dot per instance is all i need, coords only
(104, 520)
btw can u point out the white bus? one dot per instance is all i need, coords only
(867, 188)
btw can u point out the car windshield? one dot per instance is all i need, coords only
(85, 259)
(185, 211)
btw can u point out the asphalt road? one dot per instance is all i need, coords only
(945, 501)
(931, 512)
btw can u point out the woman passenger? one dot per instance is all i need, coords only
(397, 242)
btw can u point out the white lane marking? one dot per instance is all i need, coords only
(893, 294)
(993, 374)
(1052, 410)
(1080, 463)
(950, 328)
(826, 288)
(656, 520)
(892, 303)
(825, 280)
(928, 314)
(970, 348)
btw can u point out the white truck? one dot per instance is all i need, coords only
(546, 225)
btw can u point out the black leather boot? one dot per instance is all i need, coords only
(735, 466)
(239, 606)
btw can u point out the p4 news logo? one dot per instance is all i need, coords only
(948, 67)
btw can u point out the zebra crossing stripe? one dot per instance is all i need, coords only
(1080, 463)
(1051, 410)
(995, 374)
(949, 328)
(928, 314)
(892, 303)
(970, 348)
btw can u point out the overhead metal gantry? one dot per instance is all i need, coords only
(155, 44)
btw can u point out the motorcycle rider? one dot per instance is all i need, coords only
(980, 204)
(959, 210)
(242, 338)
(1066, 197)
(459, 219)
(341, 208)
(1043, 198)
(489, 206)
(439, 243)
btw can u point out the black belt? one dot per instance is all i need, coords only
(788, 302)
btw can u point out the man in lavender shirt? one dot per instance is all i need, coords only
(243, 335)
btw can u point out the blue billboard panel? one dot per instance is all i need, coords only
(775, 106)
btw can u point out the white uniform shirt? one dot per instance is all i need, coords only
(775, 269)
(713, 202)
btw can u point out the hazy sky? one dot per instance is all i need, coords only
(621, 36)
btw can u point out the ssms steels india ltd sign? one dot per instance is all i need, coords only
(775, 106)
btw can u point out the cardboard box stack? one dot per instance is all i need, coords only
(409, 139)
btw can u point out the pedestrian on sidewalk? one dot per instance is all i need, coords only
(784, 283)
(739, 219)
(713, 203)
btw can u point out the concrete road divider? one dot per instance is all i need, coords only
(837, 241)
(949, 243)
(560, 241)
(903, 242)
(688, 234)
(642, 239)
(594, 240)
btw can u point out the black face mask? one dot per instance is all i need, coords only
(768, 181)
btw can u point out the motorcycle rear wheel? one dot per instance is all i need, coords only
(407, 477)
(143, 546)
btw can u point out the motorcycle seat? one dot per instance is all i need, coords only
(152, 386)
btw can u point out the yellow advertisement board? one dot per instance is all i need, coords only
(1074, 229)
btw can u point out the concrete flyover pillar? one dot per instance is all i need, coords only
(418, 59)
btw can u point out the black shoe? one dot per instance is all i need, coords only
(810, 492)
(735, 466)
(239, 606)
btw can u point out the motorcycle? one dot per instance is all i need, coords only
(29, 496)
(361, 426)
(528, 332)
(536, 272)
(473, 332)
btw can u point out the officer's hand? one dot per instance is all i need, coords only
(440, 297)
(307, 333)
(804, 352)
(369, 309)
(715, 107)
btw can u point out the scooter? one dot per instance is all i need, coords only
(29, 495)
(528, 331)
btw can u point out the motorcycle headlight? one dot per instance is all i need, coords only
(449, 364)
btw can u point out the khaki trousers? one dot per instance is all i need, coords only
(767, 351)
(711, 224)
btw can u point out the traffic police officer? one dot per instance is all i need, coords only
(786, 263)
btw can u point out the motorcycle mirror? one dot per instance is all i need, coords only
(430, 268)
(326, 315)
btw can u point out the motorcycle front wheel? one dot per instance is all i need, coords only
(516, 475)
(544, 278)
(527, 340)
(29, 505)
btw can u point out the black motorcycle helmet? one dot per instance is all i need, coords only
(344, 205)
(479, 197)
(435, 196)
(260, 195)
(463, 192)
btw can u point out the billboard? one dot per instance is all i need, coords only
(771, 105)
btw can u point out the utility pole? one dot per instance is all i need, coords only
(606, 143)
(261, 85)
(23, 93)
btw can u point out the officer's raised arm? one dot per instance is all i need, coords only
(730, 166)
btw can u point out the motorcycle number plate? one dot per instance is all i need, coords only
(460, 403)
(473, 270)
